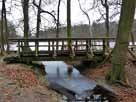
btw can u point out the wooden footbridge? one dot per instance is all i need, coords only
(57, 48)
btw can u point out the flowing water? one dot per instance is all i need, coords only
(60, 77)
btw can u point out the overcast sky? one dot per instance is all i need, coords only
(77, 17)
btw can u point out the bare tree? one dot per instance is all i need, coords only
(105, 14)
(25, 6)
(117, 74)
(72, 54)
(58, 23)
(106, 6)
(88, 18)
(89, 22)
(39, 12)
(6, 28)
(58, 19)
(2, 28)
(38, 19)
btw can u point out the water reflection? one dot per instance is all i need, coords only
(59, 68)
(70, 71)
(59, 73)
(75, 86)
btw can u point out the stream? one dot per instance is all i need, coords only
(69, 82)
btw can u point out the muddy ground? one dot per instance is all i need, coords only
(19, 83)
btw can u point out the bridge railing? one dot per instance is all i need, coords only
(58, 46)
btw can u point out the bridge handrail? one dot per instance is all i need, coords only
(57, 39)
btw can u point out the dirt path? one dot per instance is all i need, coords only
(19, 84)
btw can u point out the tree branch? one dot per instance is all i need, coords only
(44, 11)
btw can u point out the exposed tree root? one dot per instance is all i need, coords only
(122, 83)
(106, 59)
(117, 76)
(132, 54)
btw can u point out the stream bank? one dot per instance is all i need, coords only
(19, 83)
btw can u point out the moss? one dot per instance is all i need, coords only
(117, 75)
(108, 76)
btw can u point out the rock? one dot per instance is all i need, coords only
(106, 92)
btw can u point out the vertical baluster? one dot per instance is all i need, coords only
(57, 46)
(36, 47)
(49, 46)
(76, 46)
(90, 44)
(53, 47)
(104, 46)
(62, 48)
(18, 48)
(22, 47)
(8, 46)
(87, 47)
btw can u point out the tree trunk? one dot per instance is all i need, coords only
(2, 27)
(107, 24)
(38, 20)
(106, 6)
(69, 27)
(25, 5)
(38, 24)
(58, 19)
(58, 23)
(107, 18)
(120, 52)
(6, 28)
